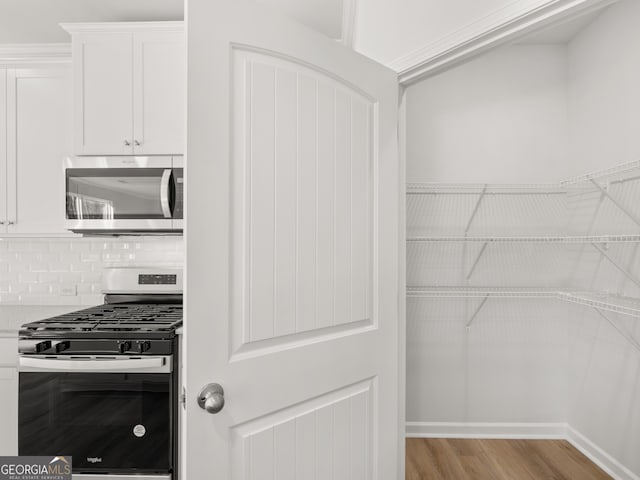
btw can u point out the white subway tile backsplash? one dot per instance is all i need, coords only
(91, 299)
(17, 266)
(19, 288)
(76, 277)
(90, 257)
(30, 277)
(80, 247)
(81, 267)
(49, 277)
(58, 267)
(49, 271)
(59, 246)
(39, 288)
(70, 257)
(85, 288)
(84, 277)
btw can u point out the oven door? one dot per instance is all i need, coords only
(110, 422)
(123, 194)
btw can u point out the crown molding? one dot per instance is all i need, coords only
(34, 53)
(120, 27)
(498, 27)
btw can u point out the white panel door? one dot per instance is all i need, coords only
(39, 137)
(103, 77)
(292, 251)
(159, 85)
(3, 151)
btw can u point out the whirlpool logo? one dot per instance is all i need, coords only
(35, 468)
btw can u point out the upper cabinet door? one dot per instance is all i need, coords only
(159, 93)
(103, 105)
(38, 139)
(129, 82)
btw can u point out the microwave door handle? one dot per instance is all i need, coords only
(55, 364)
(164, 193)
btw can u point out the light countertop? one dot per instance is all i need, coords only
(13, 316)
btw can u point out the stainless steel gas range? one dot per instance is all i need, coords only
(101, 384)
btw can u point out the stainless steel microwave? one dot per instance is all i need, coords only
(125, 195)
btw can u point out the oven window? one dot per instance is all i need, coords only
(106, 421)
(114, 193)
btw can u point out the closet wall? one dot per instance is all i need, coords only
(604, 105)
(501, 118)
(527, 113)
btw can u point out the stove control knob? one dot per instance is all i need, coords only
(124, 346)
(61, 346)
(143, 346)
(42, 346)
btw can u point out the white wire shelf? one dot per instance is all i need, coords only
(529, 239)
(488, 189)
(624, 169)
(482, 292)
(599, 301)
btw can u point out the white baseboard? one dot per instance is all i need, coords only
(551, 431)
(486, 430)
(598, 456)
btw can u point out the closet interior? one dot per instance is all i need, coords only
(523, 242)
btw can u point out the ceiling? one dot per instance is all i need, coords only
(560, 33)
(36, 21)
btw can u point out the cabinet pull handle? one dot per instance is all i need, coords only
(127, 143)
(136, 143)
(11, 223)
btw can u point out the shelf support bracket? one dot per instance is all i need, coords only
(478, 257)
(616, 202)
(475, 209)
(626, 335)
(477, 311)
(624, 271)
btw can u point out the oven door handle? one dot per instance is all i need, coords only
(149, 365)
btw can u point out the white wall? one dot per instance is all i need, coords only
(604, 97)
(499, 118)
(604, 105)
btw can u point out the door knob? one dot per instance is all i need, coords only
(211, 398)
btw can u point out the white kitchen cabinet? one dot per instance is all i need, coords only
(8, 396)
(9, 411)
(129, 88)
(37, 123)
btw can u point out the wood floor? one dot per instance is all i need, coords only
(471, 459)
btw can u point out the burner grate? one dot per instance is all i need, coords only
(114, 318)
